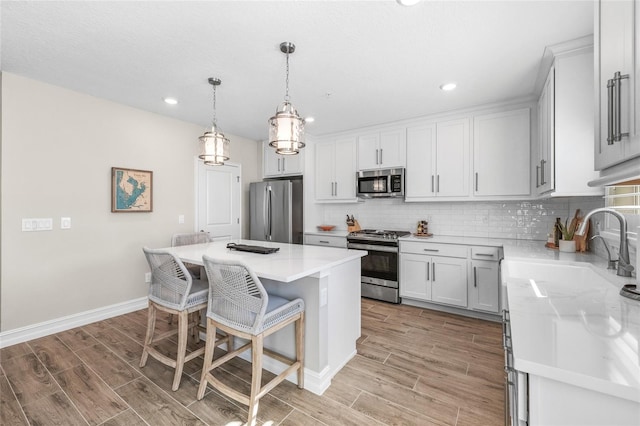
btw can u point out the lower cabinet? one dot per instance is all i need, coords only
(325, 240)
(484, 292)
(451, 274)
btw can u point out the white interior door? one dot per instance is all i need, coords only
(218, 190)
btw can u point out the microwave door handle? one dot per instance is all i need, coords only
(269, 212)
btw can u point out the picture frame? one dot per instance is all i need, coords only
(131, 190)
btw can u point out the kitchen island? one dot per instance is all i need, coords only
(326, 278)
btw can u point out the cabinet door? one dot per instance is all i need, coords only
(272, 162)
(369, 151)
(484, 290)
(345, 169)
(415, 276)
(293, 164)
(546, 117)
(452, 153)
(501, 146)
(449, 281)
(325, 182)
(421, 162)
(393, 149)
(614, 40)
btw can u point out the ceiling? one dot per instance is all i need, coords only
(356, 63)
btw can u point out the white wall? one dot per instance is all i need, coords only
(58, 147)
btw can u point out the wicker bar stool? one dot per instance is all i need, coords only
(240, 306)
(174, 291)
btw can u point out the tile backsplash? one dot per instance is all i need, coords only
(522, 220)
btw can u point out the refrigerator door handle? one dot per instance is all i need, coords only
(269, 224)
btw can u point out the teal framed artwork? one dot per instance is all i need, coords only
(131, 190)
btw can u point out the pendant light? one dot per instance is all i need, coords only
(214, 146)
(286, 128)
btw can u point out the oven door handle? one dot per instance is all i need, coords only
(372, 247)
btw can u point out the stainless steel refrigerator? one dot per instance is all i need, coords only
(276, 211)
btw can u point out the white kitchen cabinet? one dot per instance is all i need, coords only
(438, 160)
(276, 165)
(382, 150)
(616, 38)
(564, 156)
(325, 240)
(335, 170)
(501, 146)
(485, 286)
(434, 273)
(449, 281)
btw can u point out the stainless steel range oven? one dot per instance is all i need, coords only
(379, 269)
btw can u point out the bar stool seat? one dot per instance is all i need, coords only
(240, 306)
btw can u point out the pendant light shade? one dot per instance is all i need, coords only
(286, 128)
(214, 146)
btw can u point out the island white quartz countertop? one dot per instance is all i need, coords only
(291, 262)
(568, 321)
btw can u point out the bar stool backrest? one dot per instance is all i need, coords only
(170, 279)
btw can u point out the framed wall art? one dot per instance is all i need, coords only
(131, 190)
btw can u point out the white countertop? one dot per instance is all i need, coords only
(570, 323)
(291, 262)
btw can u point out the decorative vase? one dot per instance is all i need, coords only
(567, 246)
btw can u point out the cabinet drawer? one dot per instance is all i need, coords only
(485, 253)
(434, 249)
(325, 240)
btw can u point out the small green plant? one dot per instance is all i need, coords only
(567, 231)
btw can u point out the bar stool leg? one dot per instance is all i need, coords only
(151, 325)
(256, 377)
(183, 333)
(299, 327)
(208, 357)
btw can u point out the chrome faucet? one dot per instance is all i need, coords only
(612, 263)
(624, 268)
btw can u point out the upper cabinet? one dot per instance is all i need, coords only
(438, 160)
(382, 150)
(501, 153)
(617, 94)
(276, 165)
(336, 170)
(563, 156)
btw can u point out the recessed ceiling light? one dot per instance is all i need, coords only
(171, 101)
(408, 2)
(309, 119)
(448, 86)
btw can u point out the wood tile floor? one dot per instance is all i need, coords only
(414, 367)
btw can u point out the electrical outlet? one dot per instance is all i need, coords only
(65, 223)
(181, 219)
(147, 277)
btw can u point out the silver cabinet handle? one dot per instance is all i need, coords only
(617, 95)
(381, 156)
(377, 156)
(283, 168)
(323, 242)
(431, 183)
(336, 189)
(476, 181)
(428, 264)
(475, 277)
(537, 176)
(438, 183)
(278, 164)
(433, 271)
(542, 163)
(610, 112)
(431, 250)
(484, 254)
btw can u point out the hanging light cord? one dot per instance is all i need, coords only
(286, 96)
(214, 123)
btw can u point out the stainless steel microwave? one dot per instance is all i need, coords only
(380, 183)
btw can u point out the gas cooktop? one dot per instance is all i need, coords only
(378, 234)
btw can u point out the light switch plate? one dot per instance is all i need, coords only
(65, 223)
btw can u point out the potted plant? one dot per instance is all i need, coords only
(567, 244)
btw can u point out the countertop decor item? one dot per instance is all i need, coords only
(326, 227)
(352, 224)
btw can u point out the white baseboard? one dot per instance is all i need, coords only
(30, 332)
